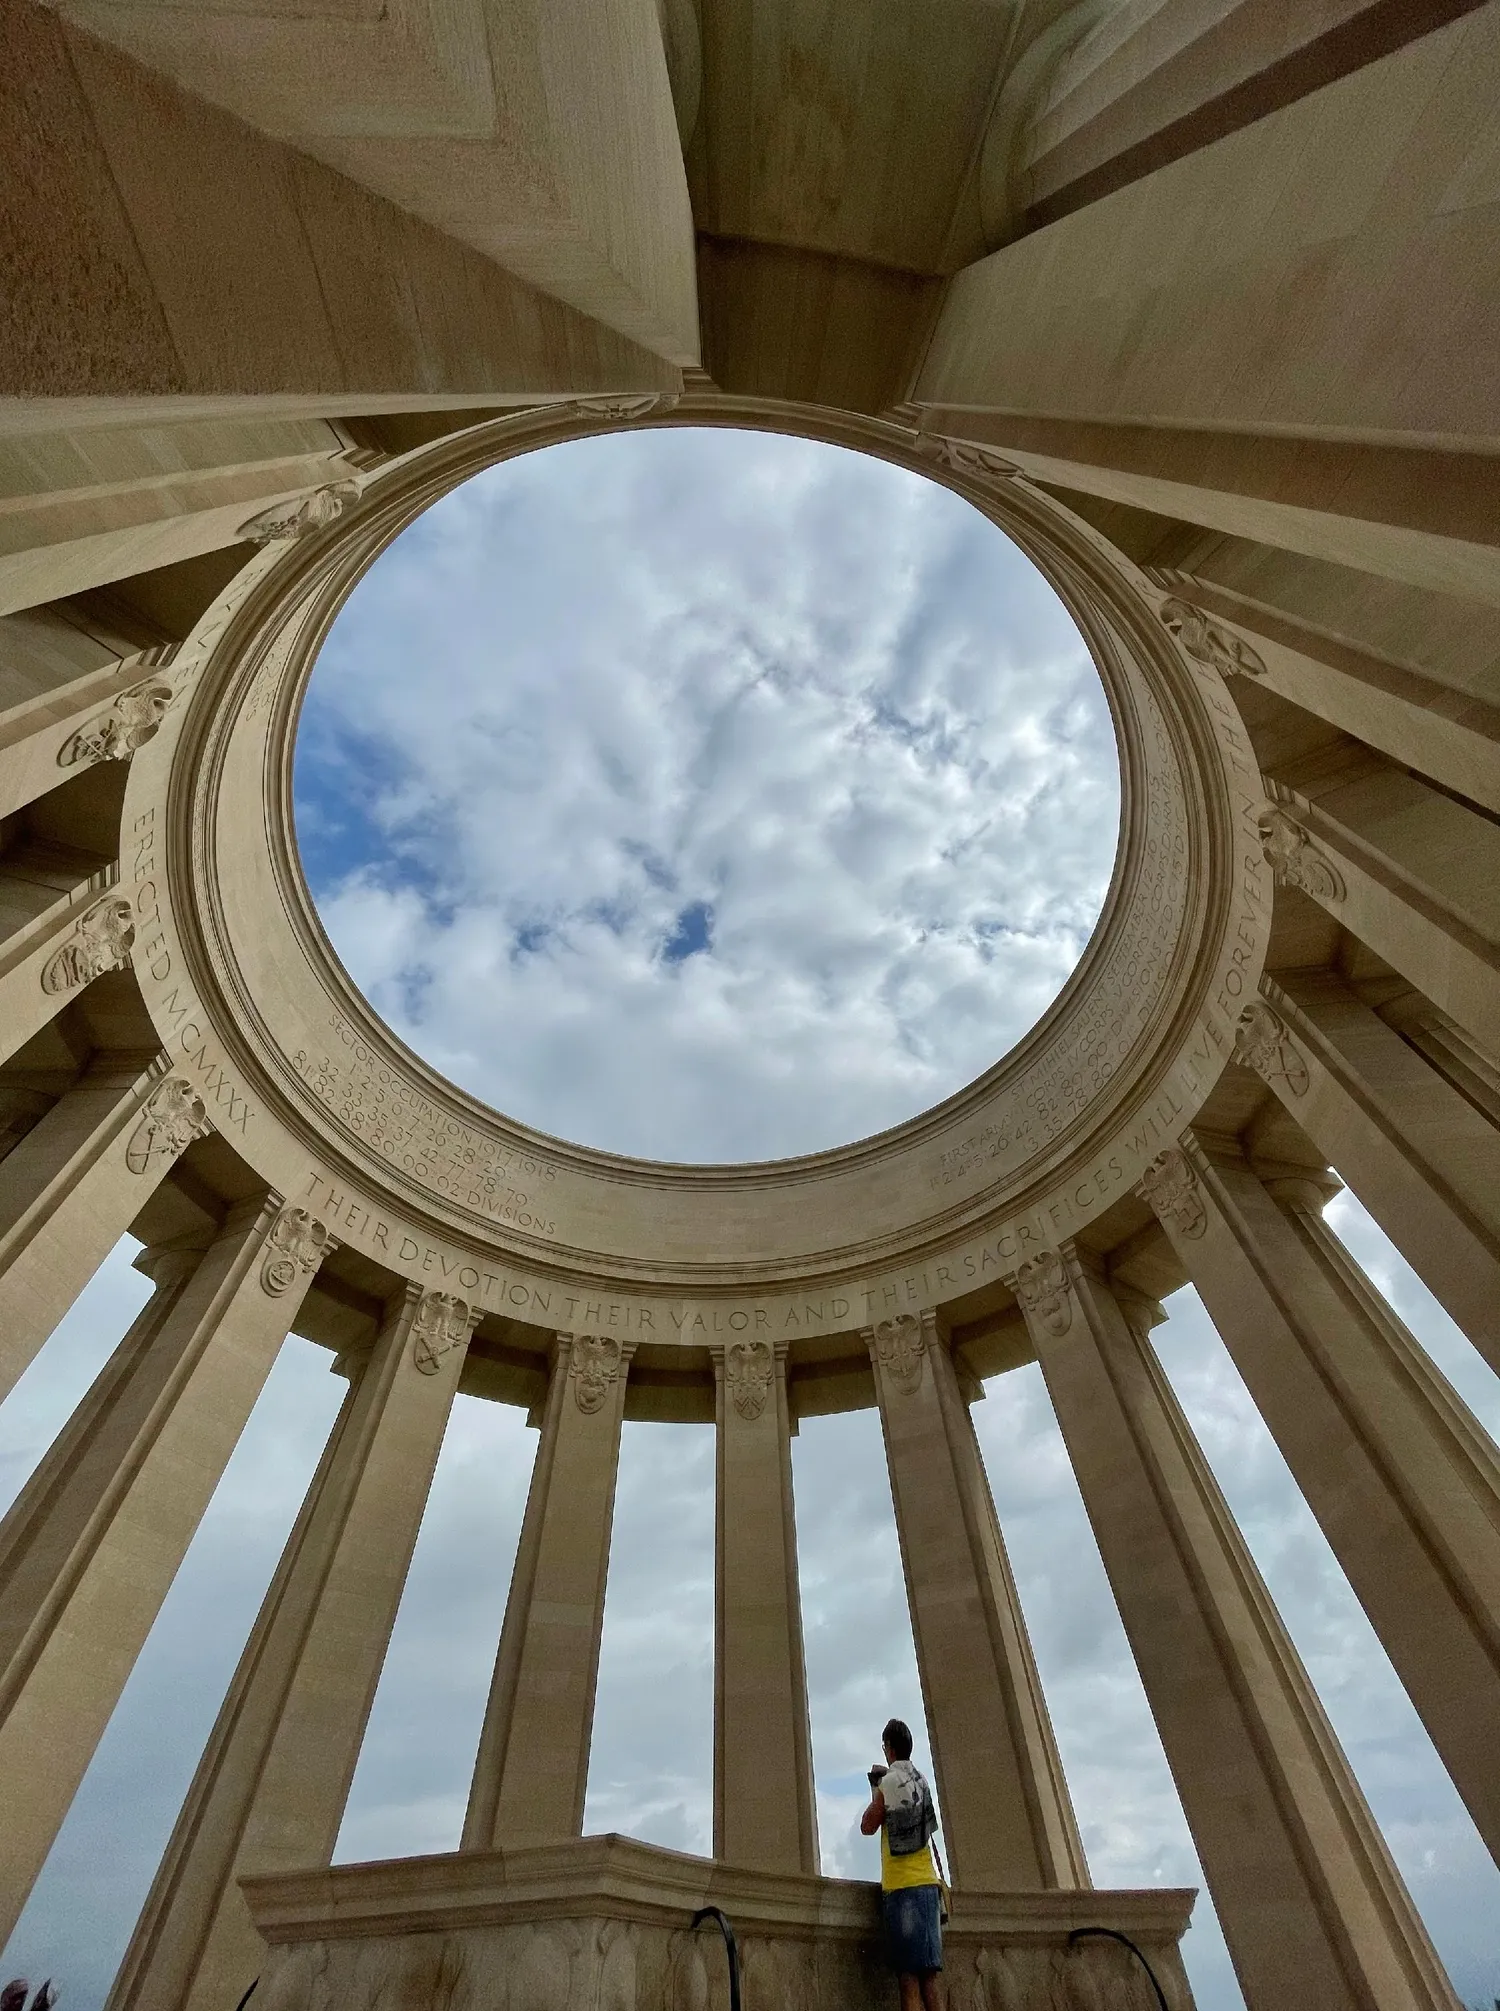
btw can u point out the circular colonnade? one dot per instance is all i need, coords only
(1039, 1213)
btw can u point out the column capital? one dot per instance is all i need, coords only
(899, 1345)
(595, 1362)
(748, 1369)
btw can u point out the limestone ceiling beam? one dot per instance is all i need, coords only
(163, 261)
(1157, 79)
(1287, 336)
(845, 129)
(540, 135)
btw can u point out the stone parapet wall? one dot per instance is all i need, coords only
(604, 1924)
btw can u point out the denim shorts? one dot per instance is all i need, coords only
(913, 1931)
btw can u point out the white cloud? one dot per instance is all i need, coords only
(707, 795)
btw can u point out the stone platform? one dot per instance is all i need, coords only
(604, 1924)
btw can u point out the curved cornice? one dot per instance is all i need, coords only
(1041, 1143)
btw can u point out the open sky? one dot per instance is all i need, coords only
(711, 796)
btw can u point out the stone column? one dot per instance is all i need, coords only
(72, 1187)
(103, 715)
(1313, 1909)
(1415, 1150)
(93, 1542)
(56, 935)
(532, 1770)
(1409, 871)
(1404, 1483)
(1007, 1818)
(270, 1789)
(765, 1814)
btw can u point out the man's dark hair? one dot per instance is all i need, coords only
(898, 1737)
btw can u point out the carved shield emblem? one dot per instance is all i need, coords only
(441, 1323)
(1169, 1185)
(1043, 1288)
(296, 1243)
(748, 1369)
(174, 1115)
(901, 1348)
(595, 1364)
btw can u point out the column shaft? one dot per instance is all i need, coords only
(70, 1190)
(1313, 1909)
(1401, 1478)
(93, 1542)
(271, 1786)
(765, 1813)
(1418, 1154)
(1410, 871)
(1007, 1816)
(531, 1774)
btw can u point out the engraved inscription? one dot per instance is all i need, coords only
(410, 1131)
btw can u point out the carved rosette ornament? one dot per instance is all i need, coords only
(130, 722)
(1298, 862)
(1170, 1187)
(1043, 1287)
(441, 1323)
(594, 1366)
(749, 1367)
(299, 516)
(297, 1243)
(102, 940)
(625, 408)
(1263, 1043)
(901, 1348)
(174, 1115)
(1206, 642)
(964, 458)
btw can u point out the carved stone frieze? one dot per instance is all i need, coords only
(101, 940)
(1206, 641)
(1043, 1287)
(964, 458)
(625, 408)
(594, 1366)
(299, 516)
(297, 1243)
(1170, 1187)
(749, 1369)
(901, 1348)
(441, 1323)
(1298, 861)
(174, 1115)
(115, 735)
(1263, 1043)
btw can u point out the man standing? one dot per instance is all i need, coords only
(901, 1808)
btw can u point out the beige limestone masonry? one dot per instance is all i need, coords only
(271, 1787)
(1007, 1817)
(1193, 300)
(532, 1770)
(93, 1542)
(607, 1920)
(765, 1813)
